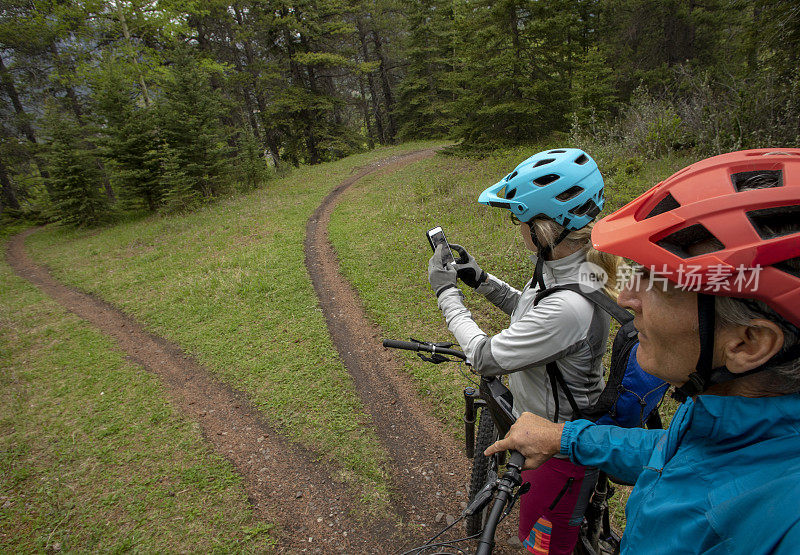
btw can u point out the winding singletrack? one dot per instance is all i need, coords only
(427, 468)
(282, 482)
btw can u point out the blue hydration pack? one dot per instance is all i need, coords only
(631, 395)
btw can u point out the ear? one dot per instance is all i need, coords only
(748, 347)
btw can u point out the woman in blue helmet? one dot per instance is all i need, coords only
(554, 195)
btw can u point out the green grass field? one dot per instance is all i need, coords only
(228, 284)
(92, 455)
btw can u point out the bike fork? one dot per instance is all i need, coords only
(471, 404)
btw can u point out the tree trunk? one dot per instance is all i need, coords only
(11, 91)
(269, 140)
(26, 128)
(365, 110)
(388, 97)
(126, 33)
(8, 194)
(362, 35)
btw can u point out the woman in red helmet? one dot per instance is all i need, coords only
(717, 306)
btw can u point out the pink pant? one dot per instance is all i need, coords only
(550, 514)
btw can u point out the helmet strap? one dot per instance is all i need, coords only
(544, 252)
(699, 380)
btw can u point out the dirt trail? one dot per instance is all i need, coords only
(311, 508)
(428, 469)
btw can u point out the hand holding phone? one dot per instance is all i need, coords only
(435, 238)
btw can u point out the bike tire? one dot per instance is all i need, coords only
(483, 469)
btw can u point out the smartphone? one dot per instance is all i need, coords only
(435, 237)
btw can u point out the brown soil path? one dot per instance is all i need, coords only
(428, 468)
(284, 486)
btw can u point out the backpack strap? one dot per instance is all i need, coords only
(599, 299)
(557, 380)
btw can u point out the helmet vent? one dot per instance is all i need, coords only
(546, 179)
(511, 193)
(584, 208)
(762, 179)
(664, 205)
(557, 152)
(791, 266)
(581, 160)
(512, 175)
(570, 193)
(543, 162)
(776, 222)
(682, 240)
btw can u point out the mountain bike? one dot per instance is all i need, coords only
(494, 499)
(495, 482)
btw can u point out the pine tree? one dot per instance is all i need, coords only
(75, 178)
(305, 107)
(515, 68)
(129, 138)
(426, 92)
(180, 193)
(250, 168)
(593, 95)
(189, 116)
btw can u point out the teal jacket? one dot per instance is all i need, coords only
(724, 478)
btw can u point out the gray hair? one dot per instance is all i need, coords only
(784, 378)
(780, 379)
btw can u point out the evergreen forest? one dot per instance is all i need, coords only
(119, 107)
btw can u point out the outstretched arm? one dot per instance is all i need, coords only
(621, 452)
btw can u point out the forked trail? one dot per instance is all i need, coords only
(281, 481)
(427, 467)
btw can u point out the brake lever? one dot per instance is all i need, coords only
(482, 498)
(522, 490)
(435, 358)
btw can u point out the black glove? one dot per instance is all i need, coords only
(467, 269)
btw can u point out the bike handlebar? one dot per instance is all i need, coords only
(419, 346)
(512, 478)
(499, 404)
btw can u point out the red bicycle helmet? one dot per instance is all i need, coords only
(715, 199)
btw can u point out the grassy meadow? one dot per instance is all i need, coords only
(92, 455)
(228, 283)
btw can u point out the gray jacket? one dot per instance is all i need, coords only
(564, 327)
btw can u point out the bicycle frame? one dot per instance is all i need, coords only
(497, 398)
(492, 395)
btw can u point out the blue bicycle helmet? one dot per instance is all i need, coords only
(564, 185)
